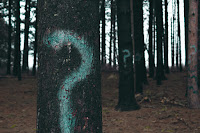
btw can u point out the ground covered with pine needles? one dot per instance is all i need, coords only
(163, 108)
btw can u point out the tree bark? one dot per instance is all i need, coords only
(179, 37)
(139, 44)
(186, 11)
(69, 89)
(159, 24)
(103, 34)
(193, 92)
(151, 63)
(9, 38)
(26, 33)
(127, 99)
(166, 66)
(35, 45)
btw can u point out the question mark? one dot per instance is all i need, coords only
(126, 55)
(57, 40)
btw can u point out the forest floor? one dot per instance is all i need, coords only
(163, 108)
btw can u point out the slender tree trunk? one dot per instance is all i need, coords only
(186, 11)
(127, 99)
(9, 38)
(151, 67)
(69, 89)
(139, 41)
(159, 24)
(179, 36)
(166, 66)
(103, 34)
(35, 45)
(17, 54)
(114, 33)
(193, 92)
(111, 34)
(26, 33)
(173, 33)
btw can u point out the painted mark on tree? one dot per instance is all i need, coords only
(126, 56)
(57, 40)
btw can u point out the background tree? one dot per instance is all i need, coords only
(166, 66)
(193, 92)
(151, 63)
(186, 11)
(69, 89)
(26, 33)
(9, 39)
(139, 44)
(103, 33)
(126, 98)
(35, 45)
(159, 24)
(179, 36)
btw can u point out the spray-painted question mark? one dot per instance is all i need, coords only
(57, 40)
(126, 55)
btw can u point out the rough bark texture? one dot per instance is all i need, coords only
(126, 80)
(193, 92)
(69, 88)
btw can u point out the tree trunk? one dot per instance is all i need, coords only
(26, 33)
(35, 45)
(111, 34)
(114, 33)
(17, 60)
(9, 39)
(151, 64)
(179, 37)
(139, 44)
(186, 11)
(103, 34)
(173, 33)
(166, 66)
(193, 92)
(127, 99)
(69, 89)
(159, 24)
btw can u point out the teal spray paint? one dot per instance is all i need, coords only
(57, 40)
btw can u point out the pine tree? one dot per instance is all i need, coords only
(127, 99)
(166, 66)
(26, 33)
(9, 39)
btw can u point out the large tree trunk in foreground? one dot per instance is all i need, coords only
(193, 92)
(127, 99)
(69, 89)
